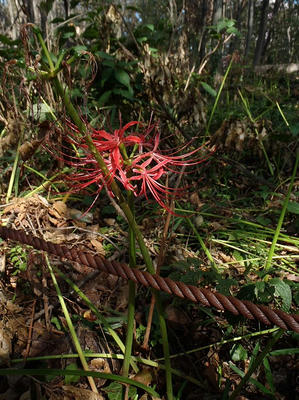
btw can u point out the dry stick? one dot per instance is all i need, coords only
(160, 261)
(45, 298)
(30, 329)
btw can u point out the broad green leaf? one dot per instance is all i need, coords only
(124, 93)
(79, 49)
(149, 26)
(282, 290)
(224, 286)
(238, 353)
(293, 207)
(76, 92)
(104, 98)
(122, 76)
(115, 391)
(104, 55)
(209, 89)
(109, 63)
(142, 39)
(106, 74)
(68, 35)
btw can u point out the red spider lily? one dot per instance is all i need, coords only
(133, 159)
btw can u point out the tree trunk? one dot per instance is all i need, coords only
(203, 39)
(12, 8)
(261, 35)
(217, 11)
(271, 30)
(250, 20)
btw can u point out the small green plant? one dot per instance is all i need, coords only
(18, 257)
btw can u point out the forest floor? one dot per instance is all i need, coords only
(233, 210)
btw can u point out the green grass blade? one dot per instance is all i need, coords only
(91, 374)
(71, 326)
(282, 214)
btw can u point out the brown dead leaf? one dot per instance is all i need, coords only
(27, 149)
(44, 342)
(75, 393)
(98, 246)
(292, 277)
(216, 226)
(2, 263)
(195, 200)
(60, 237)
(144, 376)
(89, 316)
(5, 344)
(100, 365)
(60, 208)
(211, 370)
(110, 221)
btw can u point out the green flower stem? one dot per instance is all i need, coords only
(63, 92)
(38, 34)
(149, 265)
(96, 312)
(132, 294)
(71, 327)
(282, 214)
(207, 131)
(13, 173)
(256, 363)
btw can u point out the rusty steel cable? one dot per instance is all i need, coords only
(249, 310)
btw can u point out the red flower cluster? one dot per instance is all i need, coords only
(133, 159)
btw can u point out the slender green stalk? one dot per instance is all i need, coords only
(44, 185)
(89, 374)
(13, 173)
(100, 317)
(282, 114)
(217, 99)
(133, 225)
(222, 342)
(38, 34)
(282, 214)
(202, 243)
(256, 363)
(71, 326)
(246, 106)
(145, 361)
(63, 92)
(132, 295)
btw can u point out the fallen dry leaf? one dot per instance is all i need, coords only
(98, 246)
(144, 376)
(75, 393)
(5, 344)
